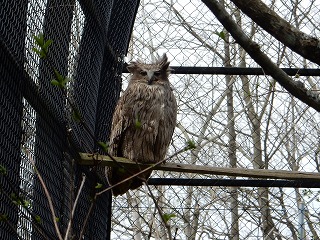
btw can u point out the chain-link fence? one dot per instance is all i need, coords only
(40, 132)
(236, 120)
(236, 116)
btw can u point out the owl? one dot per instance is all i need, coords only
(143, 121)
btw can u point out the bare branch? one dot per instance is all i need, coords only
(74, 206)
(117, 162)
(306, 46)
(52, 211)
(296, 88)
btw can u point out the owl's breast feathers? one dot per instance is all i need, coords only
(143, 123)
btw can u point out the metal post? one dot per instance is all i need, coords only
(301, 230)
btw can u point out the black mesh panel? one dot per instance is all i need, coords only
(37, 125)
(12, 29)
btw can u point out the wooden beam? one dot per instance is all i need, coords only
(101, 160)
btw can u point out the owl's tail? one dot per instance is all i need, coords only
(118, 175)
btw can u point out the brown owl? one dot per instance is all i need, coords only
(143, 121)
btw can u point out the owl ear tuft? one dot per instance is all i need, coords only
(131, 67)
(166, 67)
(163, 61)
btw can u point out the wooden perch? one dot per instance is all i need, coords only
(92, 160)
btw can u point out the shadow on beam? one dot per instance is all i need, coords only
(237, 71)
(234, 182)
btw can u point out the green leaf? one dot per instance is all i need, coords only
(137, 123)
(99, 185)
(43, 55)
(221, 35)
(40, 53)
(37, 51)
(58, 76)
(104, 146)
(38, 219)
(44, 45)
(190, 145)
(55, 82)
(57, 219)
(3, 170)
(39, 39)
(18, 200)
(64, 82)
(25, 203)
(47, 44)
(3, 217)
(60, 80)
(168, 216)
(15, 199)
(76, 115)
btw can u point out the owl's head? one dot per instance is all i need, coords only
(153, 73)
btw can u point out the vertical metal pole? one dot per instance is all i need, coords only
(301, 229)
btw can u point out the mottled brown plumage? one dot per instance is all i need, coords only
(143, 121)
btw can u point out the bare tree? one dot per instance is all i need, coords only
(253, 49)
(235, 121)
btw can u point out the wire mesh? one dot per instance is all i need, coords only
(236, 121)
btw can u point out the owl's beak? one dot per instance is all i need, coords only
(151, 77)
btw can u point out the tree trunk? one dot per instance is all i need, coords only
(268, 227)
(234, 231)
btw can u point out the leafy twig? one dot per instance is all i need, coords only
(162, 216)
(2, 218)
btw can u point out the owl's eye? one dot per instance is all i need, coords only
(157, 73)
(143, 73)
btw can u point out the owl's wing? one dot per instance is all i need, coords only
(166, 127)
(122, 126)
(120, 123)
